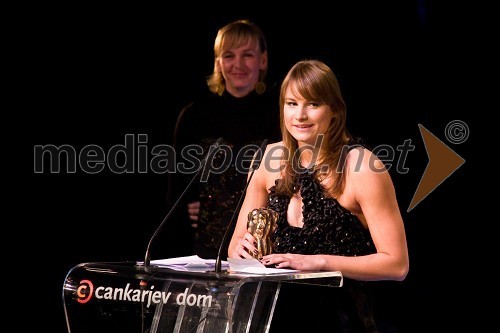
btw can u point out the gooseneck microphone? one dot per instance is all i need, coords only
(211, 152)
(259, 154)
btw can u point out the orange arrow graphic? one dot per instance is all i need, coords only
(442, 163)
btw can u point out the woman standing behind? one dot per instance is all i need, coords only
(336, 202)
(242, 109)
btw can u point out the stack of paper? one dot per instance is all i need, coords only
(197, 264)
(189, 263)
(253, 266)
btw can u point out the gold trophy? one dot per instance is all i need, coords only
(261, 224)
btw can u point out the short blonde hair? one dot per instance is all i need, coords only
(234, 35)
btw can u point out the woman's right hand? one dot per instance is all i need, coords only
(244, 247)
(193, 212)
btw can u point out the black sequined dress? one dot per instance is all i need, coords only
(328, 228)
(243, 123)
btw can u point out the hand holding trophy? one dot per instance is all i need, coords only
(261, 224)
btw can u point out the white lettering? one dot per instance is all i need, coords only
(156, 298)
(151, 296)
(168, 296)
(150, 292)
(204, 298)
(136, 297)
(98, 291)
(109, 293)
(183, 297)
(118, 294)
(127, 293)
(191, 300)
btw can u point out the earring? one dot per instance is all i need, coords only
(260, 87)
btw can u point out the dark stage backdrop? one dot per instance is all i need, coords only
(99, 76)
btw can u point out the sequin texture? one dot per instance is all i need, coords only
(328, 227)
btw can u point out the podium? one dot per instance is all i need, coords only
(126, 297)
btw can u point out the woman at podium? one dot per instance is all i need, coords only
(335, 200)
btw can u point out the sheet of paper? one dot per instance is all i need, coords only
(253, 266)
(183, 261)
(188, 263)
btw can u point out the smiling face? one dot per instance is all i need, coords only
(241, 67)
(311, 105)
(305, 119)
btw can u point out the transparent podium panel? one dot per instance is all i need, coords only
(126, 297)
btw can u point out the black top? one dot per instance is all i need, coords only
(243, 123)
(328, 228)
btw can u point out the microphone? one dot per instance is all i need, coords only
(255, 165)
(211, 152)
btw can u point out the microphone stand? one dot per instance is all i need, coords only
(147, 257)
(255, 166)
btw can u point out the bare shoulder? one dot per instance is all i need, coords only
(272, 163)
(363, 161)
(275, 149)
(273, 156)
(367, 175)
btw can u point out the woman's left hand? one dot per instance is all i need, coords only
(295, 261)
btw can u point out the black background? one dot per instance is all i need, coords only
(93, 75)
